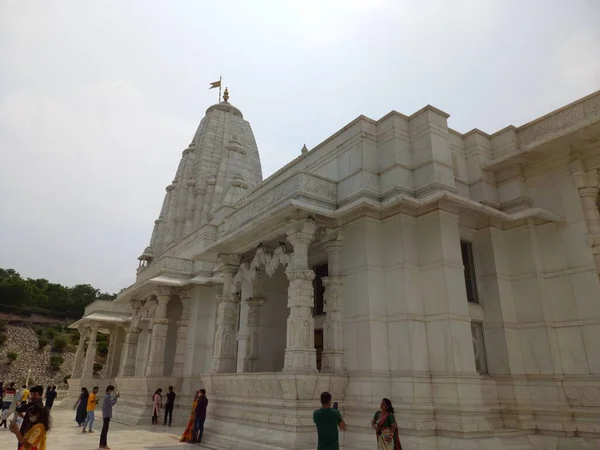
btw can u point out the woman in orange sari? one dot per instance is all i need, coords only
(35, 437)
(188, 434)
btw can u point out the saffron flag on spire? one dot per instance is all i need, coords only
(215, 84)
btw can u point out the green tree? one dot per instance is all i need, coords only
(11, 356)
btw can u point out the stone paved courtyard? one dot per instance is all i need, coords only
(65, 435)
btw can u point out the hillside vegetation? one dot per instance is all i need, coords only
(34, 333)
(28, 296)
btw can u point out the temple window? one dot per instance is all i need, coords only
(319, 347)
(479, 347)
(466, 249)
(319, 289)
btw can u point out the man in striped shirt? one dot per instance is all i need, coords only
(109, 401)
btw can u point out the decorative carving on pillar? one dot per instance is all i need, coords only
(90, 354)
(182, 329)
(158, 340)
(127, 367)
(77, 364)
(262, 258)
(300, 353)
(587, 184)
(333, 328)
(224, 352)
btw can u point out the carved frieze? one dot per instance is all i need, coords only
(259, 201)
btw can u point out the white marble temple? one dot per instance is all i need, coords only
(456, 274)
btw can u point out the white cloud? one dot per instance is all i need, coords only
(97, 100)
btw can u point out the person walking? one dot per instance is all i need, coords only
(35, 436)
(328, 420)
(9, 396)
(156, 405)
(170, 405)
(25, 394)
(201, 406)
(50, 397)
(90, 411)
(110, 400)
(81, 406)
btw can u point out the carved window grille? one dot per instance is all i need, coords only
(479, 347)
(319, 289)
(468, 260)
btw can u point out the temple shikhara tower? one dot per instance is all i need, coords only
(456, 274)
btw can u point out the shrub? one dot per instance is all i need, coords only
(11, 356)
(39, 331)
(42, 342)
(59, 343)
(74, 338)
(56, 361)
(102, 348)
(50, 333)
(3, 339)
(97, 367)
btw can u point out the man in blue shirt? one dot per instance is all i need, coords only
(109, 401)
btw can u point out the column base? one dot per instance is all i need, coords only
(332, 362)
(300, 360)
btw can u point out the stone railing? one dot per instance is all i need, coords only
(167, 265)
(304, 185)
(106, 305)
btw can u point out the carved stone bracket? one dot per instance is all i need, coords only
(262, 258)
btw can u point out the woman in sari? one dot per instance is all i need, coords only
(35, 437)
(385, 427)
(156, 405)
(188, 434)
(81, 407)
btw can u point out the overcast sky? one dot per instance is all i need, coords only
(98, 99)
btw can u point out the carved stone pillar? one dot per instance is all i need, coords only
(300, 353)
(333, 328)
(90, 354)
(83, 334)
(252, 358)
(182, 329)
(587, 184)
(110, 357)
(224, 353)
(158, 340)
(129, 355)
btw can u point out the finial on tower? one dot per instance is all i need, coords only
(304, 149)
(226, 95)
